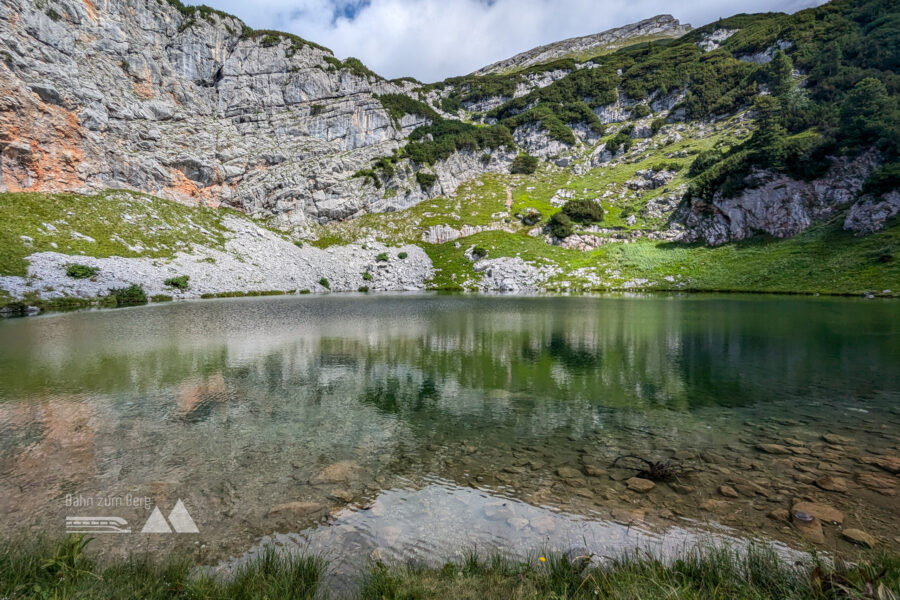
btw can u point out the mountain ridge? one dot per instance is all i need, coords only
(587, 46)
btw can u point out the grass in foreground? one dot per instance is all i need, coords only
(40, 569)
(43, 570)
(700, 574)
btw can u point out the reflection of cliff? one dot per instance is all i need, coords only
(635, 353)
(48, 449)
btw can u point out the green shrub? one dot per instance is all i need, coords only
(77, 271)
(623, 139)
(561, 226)
(363, 288)
(656, 125)
(131, 295)
(402, 255)
(369, 174)
(316, 110)
(382, 257)
(298, 243)
(399, 105)
(583, 210)
(704, 160)
(667, 166)
(179, 283)
(161, 298)
(367, 276)
(884, 179)
(640, 111)
(525, 164)
(304, 291)
(325, 283)
(450, 105)
(448, 136)
(479, 252)
(425, 180)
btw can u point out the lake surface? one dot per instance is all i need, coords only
(420, 426)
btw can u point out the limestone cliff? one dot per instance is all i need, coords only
(188, 106)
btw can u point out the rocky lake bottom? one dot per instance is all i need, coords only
(419, 427)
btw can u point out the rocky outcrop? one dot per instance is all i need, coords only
(775, 204)
(650, 179)
(136, 94)
(870, 213)
(660, 26)
(439, 234)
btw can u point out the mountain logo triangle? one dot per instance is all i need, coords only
(180, 519)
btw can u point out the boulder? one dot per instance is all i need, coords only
(822, 512)
(887, 462)
(860, 537)
(728, 491)
(832, 484)
(640, 485)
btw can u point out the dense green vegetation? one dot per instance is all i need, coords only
(179, 282)
(129, 296)
(561, 225)
(524, 164)
(846, 52)
(848, 105)
(40, 569)
(398, 105)
(77, 271)
(583, 210)
(425, 180)
(354, 65)
(442, 138)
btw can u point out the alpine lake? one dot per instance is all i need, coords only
(416, 427)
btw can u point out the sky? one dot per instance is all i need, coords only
(435, 39)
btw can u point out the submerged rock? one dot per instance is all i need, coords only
(639, 485)
(832, 484)
(773, 449)
(823, 512)
(297, 508)
(728, 491)
(339, 472)
(858, 536)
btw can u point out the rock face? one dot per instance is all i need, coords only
(780, 206)
(135, 94)
(870, 213)
(660, 26)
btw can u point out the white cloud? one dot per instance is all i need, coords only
(435, 39)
